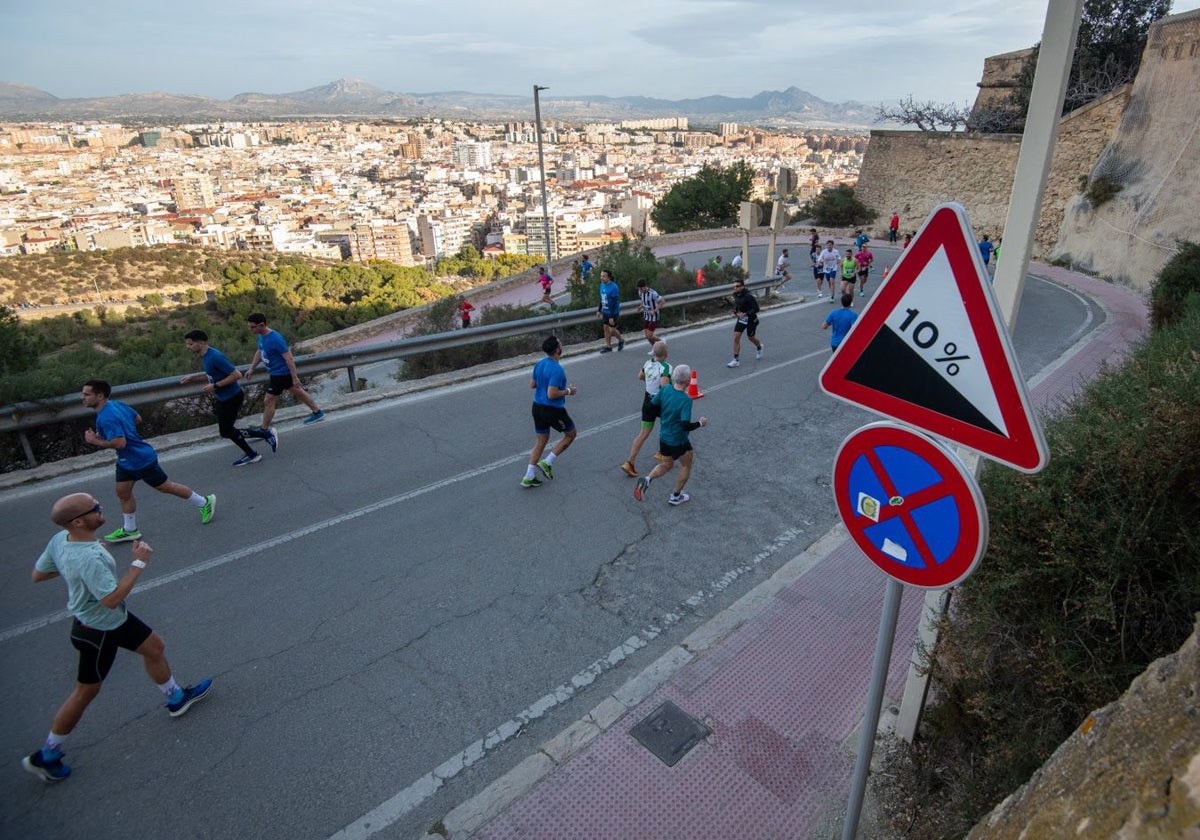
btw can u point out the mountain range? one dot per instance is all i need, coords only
(354, 98)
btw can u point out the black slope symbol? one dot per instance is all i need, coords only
(889, 365)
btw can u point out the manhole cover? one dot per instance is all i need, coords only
(669, 732)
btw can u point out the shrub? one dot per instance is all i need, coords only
(838, 207)
(1179, 280)
(1091, 575)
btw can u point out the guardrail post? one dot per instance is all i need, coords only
(27, 448)
(350, 372)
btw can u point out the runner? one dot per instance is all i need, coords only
(831, 261)
(782, 265)
(655, 373)
(101, 624)
(274, 352)
(651, 306)
(841, 320)
(864, 259)
(550, 390)
(673, 442)
(849, 272)
(221, 379)
(116, 428)
(609, 311)
(745, 310)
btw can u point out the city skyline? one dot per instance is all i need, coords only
(869, 51)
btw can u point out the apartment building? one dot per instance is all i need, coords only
(193, 192)
(381, 240)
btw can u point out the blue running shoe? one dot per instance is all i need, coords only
(247, 459)
(316, 417)
(47, 765)
(273, 439)
(184, 698)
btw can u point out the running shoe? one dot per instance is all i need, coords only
(121, 535)
(544, 466)
(650, 352)
(47, 765)
(247, 459)
(758, 352)
(316, 417)
(531, 482)
(184, 698)
(273, 439)
(733, 363)
(678, 498)
(208, 508)
(630, 469)
(620, 344)
(605, 349)
(639, 487)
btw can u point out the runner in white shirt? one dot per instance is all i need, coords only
(651, 304)
(831, 262)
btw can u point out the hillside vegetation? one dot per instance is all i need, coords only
(1092, 573)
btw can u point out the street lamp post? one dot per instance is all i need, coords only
(537, 113)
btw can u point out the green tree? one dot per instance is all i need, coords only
(709, 199)
(18, 349)
(1178, 282)
(838, 207)
(1108, 52)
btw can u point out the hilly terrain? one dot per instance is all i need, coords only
(356, 98)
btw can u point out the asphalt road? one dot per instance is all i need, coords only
(390, 620)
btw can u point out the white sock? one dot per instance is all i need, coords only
(130, 522)
(169, 687)
(197, 499)
(550, 458)
(54, 742)
(529, 471)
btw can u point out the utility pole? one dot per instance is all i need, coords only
(537, 114)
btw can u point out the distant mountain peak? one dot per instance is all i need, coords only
(352, 97)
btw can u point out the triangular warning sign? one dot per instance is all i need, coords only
(931, 350)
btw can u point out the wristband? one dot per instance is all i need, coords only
(138, 564)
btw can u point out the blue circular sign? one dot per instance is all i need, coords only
(910, 505)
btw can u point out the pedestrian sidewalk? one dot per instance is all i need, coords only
(780, 678)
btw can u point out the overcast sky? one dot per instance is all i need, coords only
(868, 50)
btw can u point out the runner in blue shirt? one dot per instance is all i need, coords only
(116, 428)
(609, 311)
(274, 352)
(550, 392)
(841, 320)
(221, 379)
(985, 249)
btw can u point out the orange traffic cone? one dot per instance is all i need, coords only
(693, 390)
(699, 276)
(886, 269)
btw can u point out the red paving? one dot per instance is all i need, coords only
(782, 693)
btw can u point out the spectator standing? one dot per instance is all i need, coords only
(674, 444)
(609, 311)
(101, 624)
(116, 428)
(550, 390)
(745, 312)
(655, 373)
(274, 352)
(464, 312)
(221, 379)
(894, 227)
(651, 302)
(840, 320)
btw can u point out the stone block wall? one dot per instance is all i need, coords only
(913, 171)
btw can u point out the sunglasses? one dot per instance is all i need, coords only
(96, 508)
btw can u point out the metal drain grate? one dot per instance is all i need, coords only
(669, 732)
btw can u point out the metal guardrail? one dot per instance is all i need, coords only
(19, 417)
